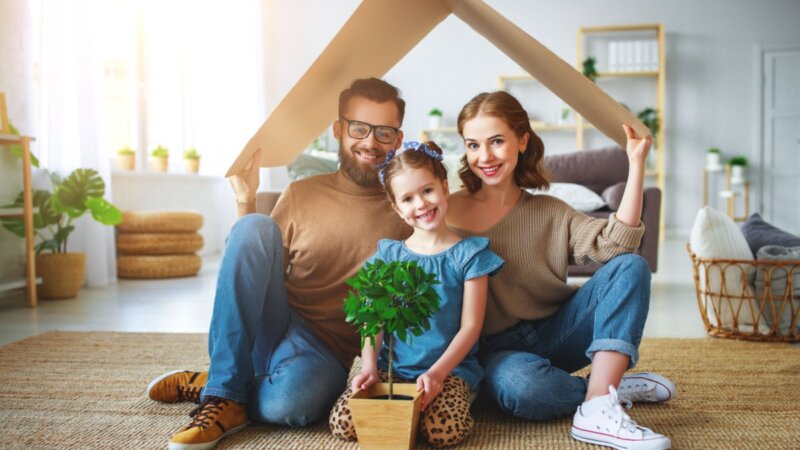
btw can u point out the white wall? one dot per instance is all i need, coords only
(16, 81)
(710, 60)
(210, 196)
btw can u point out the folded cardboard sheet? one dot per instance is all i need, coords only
(311, 105)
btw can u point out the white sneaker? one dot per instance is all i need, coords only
(645, 387)
(602, 421)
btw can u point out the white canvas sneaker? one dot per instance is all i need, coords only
(645, 387)
(604, 422)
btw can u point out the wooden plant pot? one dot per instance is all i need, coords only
(386, 424)
(192, 165)
(62, 274)
(159, 164)
(126, 162)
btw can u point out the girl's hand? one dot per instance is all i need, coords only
(637, 147)
(433, 384)
(364, 380)
(245, 183)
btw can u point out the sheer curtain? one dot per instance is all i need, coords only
(139, 73)
(70, 122)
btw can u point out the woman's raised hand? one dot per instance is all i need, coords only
(637, 147)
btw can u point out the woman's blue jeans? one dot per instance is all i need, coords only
(528, 366)
(262, 352)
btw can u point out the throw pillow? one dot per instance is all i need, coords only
(785, 303)
(760, 233)
(613, 195)
(715, 235)
(579, 197)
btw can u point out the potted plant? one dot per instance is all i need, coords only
(713, 157)
(159, 158)
(649, 118)
(126, 158)
(738, 165)
(81, 191)
(191, 160)
(589, 69)
(395, 298)
(435, 119)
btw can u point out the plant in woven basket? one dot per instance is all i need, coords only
(70, 198)
(80, 192)
(395, 298)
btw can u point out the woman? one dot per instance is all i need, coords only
(539, 329)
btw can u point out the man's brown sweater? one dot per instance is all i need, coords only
(330, 226)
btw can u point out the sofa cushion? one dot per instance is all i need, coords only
(595, 169)
(759, 233)
(785, 296)
(612, 195)
(579, 197)
(716, 236)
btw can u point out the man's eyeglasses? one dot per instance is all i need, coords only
(360, 130)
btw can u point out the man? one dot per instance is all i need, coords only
(279, 346)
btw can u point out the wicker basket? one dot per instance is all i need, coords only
(159, 243)
(169, 266)
(160, 222)
(748, 299)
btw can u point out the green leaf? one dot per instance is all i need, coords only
(103, 211)
(79, 186)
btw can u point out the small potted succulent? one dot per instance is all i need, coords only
(435, 119)
(126, 158)
(590, 69)
(738, 165)
(191, 160)
(713, 159)
(396, 299)
(159, 158)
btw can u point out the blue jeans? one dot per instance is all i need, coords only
(528, 366)
(262, 352)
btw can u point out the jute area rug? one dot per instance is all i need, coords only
(70, 390)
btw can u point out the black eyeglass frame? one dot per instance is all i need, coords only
(371, 127)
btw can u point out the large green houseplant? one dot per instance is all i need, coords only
(394, 298)
(68, 199)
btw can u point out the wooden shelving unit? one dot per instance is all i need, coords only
(26, 212)
(640, 36)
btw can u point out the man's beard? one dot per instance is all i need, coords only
(361, 174)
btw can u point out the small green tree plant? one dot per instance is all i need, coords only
(393, 298)
(435, 112)
(71, 197)
(714, 150)
(125, 151)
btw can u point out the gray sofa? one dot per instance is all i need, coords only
(604, 171)
(598, 170)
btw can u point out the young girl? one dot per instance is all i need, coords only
(539, 329)
(443, 361)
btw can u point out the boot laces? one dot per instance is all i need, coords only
(204, 414)
(191, 393)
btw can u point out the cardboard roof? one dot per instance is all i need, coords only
(309, 107)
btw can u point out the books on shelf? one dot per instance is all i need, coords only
(633, 55)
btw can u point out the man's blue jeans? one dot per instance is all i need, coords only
(528, 366)
(262, 352)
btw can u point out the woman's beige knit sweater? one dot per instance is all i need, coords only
(538, 239)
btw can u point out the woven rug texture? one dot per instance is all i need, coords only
(86, 390)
